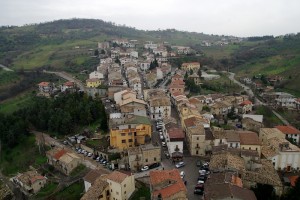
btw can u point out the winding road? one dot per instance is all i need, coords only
(249, 91)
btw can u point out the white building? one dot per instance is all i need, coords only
(145, 65)
(174, 138)
(150, 45)
(96, 74)
(283, 154)
(160, 107)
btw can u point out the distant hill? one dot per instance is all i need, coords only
(44, 44)
(274, 56)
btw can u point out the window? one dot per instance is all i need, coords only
(124, 192)
(154, 158)
(197, 152)
(230, 144)
(124, 185)
(256, 149)
(146, 160)
(117, 193)
(129, 140)
(123, 141)
(123, 134)
(197, 138)
(249, 148)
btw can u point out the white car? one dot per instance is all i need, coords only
(90, 154)
(182, 174)
(145, 168)
(163, 144)
(161, 137)
(180, 164)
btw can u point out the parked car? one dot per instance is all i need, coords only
(198, 191)
(154, 165)
(107, 101)
(161, 137)
(98, 158)
(90, 154)
(182, 174)
(180, 164)
(163, 144)
(199, 163)
(145, 168)
(202, 178)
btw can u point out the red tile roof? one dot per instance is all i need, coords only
(177, 82)
(246, 102)
(69, 83)
(176, 93)
(59, 154)
(288, 129)
(176, 76)
(293, 180)
(35, 178)
(175, 133)
(249, 138)
(174, 186)
(44, 84)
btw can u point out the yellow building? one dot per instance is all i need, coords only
(250, 141)
(129, 131)
(93, 82)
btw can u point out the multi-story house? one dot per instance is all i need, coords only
(46, 87)
(195, 66)
(62, 160)
(143, 155)
(96, 74)
(121, 185)
(283, 154)
(93, 82)
(167, 185)
(129, 131)
(160, 107)
(30, 182)
(290, 132)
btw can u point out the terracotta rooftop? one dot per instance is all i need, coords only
(177, 82)
(247, 102)
(43, 84)
(288, 129)
(117, 176)
(171, 177)
(69, 83)
(293, 180)
(92, 175)
(249, 138)
(175, 133)
(29, 177)
(59, 154)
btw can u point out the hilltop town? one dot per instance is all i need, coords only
(165, 137)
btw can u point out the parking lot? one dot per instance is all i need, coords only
(191, 174)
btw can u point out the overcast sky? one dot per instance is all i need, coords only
(223, 17)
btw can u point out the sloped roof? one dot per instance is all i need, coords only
(249, 138)
(117, 176)
(43, 84)
(95, 190)
(288, 129)
(176, 184)
(93, 174)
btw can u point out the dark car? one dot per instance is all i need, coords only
(198, 191)
(202, 178)
(154, 165)
(199, 163)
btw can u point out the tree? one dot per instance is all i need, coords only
(294, 192)
(191, 72)
(96, 53)
(186, 76)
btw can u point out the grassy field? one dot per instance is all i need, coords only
(74, 191)
(142, 191)
(19, 159)
(80, 168)
(221, 85)
(292, 116)
(270, 120)
(8, 77)
(14, 104)
(219, 52)
(46, 191)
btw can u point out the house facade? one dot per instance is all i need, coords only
(30, 182)
(92, 83)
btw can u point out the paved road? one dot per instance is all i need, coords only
(68, 77)
(6, 68)
(45, 138)
(247, 89)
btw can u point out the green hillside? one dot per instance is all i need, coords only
(52, 44)
(277, 56)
